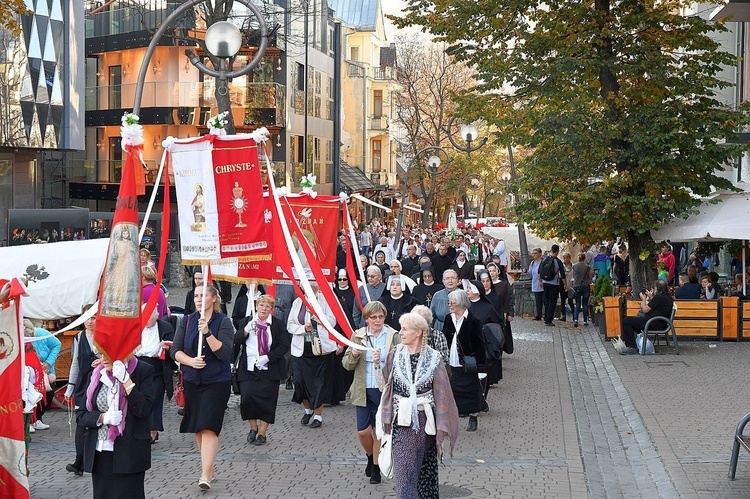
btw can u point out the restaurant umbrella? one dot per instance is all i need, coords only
(723, 216)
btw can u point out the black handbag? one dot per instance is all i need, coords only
(508, 345)
(235, 381)
(470, 364)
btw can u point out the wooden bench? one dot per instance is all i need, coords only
(746, 319)
(698, 318)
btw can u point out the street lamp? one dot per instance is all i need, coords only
(507, 177)
(223, 42)
(435, 164)
(469, 133)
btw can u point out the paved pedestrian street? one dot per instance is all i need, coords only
(571, 419)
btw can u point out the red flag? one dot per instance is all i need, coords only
(118, 324)
(13, 469)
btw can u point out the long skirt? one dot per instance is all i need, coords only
(259, 397)
(108, 485)
(467, 391)
(205, 406)
(415, 462)
(313, 379)
(341, 380)
(156, 422)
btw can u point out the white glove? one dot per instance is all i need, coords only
(112, 417)
(69, 391)
(119, 372)
(262, 361)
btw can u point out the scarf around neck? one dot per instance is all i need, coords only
(122, 402)
(402, 371)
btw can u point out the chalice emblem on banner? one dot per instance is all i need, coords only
(239, 203)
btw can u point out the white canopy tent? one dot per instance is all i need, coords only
(723, 216)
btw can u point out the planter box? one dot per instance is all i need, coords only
(613, 316)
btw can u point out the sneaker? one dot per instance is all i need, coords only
(563, 319)
(585, 323)
(39, 425)
(575, 323)
(31, 428)
(629, 351)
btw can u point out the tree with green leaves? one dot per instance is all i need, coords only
(615, 99)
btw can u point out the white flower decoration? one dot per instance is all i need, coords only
(131, 131)
(217, 124)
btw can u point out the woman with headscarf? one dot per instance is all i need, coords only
(241, 303)
(504, 291)
(342, 378)
(115, 414)
(462, 266)
(398, 300)
(380, 262)
(463, 332)
(481, 307)
(417, 409)
(427, 287)
(261, 343)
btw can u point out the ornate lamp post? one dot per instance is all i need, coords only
(469, 133)
(223, 40)
(435, 161)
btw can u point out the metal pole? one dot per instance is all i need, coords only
(524, 249)
(307, 80)
(337, 68)
(189, 4)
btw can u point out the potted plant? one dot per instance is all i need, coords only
(602, 288)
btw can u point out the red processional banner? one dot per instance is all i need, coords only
(318, 218)
(118, 324)
(13, 479)
(239, 194)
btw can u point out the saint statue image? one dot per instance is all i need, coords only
(122, 288)
(198, 207)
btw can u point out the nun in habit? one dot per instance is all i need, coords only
(398, 301)
(342, 379)
(462, 266)
(427, 287)
(481, 307)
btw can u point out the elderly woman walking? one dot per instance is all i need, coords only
(418, 409)
(367, 367)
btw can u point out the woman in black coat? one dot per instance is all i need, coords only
(463, 266)
(342, 379)
(151, 351)
(261, 342)
(467, 341)
(116, 412)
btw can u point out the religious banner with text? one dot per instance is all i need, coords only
(192, 165)
(239, 190)
(13, 479)
(318, 218)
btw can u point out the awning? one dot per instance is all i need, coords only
(413, 209)
(732, 11)
(370, 201)
(353, 180)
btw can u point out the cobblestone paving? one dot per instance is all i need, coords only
(571, 419)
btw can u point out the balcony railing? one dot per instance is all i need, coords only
(263, 102)
(127, 20)
(383, 73)
(378, 123)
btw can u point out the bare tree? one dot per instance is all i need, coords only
(424, 106)
(12, 62)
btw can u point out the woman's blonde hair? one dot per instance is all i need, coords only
(266, 299)
(373, 307)
(211, 290)
(414, 320)
(148, 273)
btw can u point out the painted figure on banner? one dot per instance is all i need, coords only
(6, 348)
(199, 210)
(122, 287)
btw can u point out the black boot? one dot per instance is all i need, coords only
(375, 478)
(368, 468)
(76, 467)
(472, 426)
(289, 384)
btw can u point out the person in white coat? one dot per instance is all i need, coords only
(312, 352)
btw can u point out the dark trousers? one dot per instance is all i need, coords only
(563, 299)
(631, 326)
(582, 302)
(551, 292)
(539, 297)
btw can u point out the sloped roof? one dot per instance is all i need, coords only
(362, 14)
(353, 180)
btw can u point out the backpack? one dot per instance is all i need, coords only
(547, 270)
(494, 340)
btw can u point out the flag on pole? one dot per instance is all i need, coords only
(118, 325)
(13, 470)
